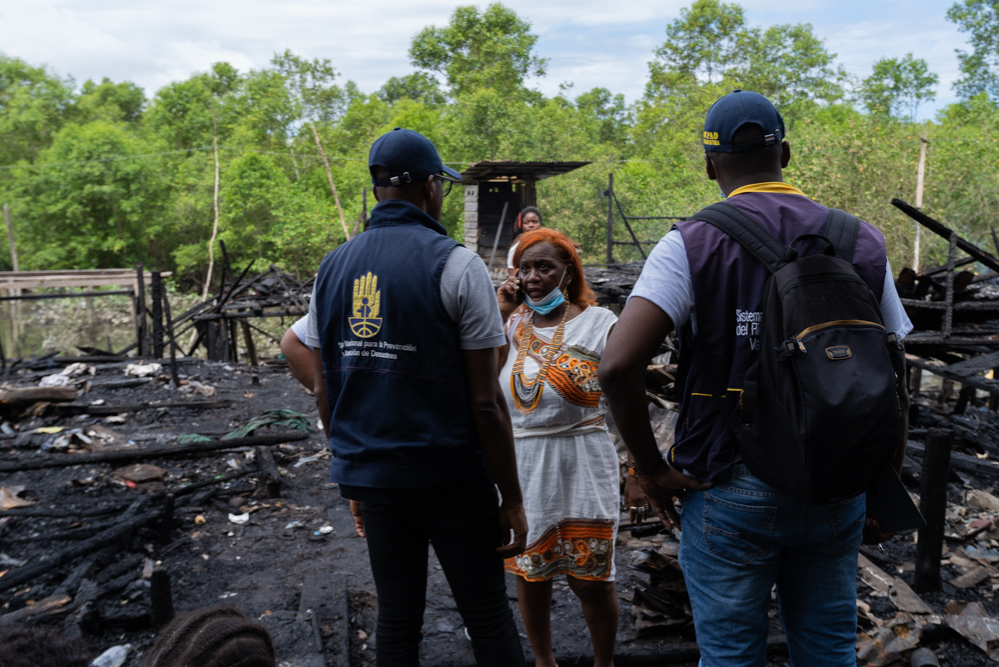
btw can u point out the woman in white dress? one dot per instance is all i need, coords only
(566, 460)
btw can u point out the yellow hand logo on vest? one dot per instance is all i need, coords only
(367, 304)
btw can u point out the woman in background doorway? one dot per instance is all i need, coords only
(528, 220)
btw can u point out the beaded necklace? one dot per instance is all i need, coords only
(527, 393)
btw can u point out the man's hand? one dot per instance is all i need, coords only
(873, 533)
(665, 484)
(635, 501)
(355, 511)
(512, 519)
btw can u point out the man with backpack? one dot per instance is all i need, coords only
(793, 397)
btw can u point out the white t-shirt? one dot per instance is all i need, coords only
(301, 329)
(665, 281)
(469, 299)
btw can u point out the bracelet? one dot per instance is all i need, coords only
(662, 462)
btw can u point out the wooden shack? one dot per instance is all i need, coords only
(491, 185)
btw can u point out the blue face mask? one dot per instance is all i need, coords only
(550, 302)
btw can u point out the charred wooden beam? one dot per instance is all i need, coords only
(125, 526)
(29, 395)
(66, 460)
(156, 292)
(942, 230)
(272, 477)
(140, 312)
(933, 506)
(74, 409)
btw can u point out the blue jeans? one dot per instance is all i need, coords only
(742, 537)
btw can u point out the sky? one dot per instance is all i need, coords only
(589, 43)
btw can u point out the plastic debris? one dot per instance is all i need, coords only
(294, 524)
(309, 459)
(325, 530)
(142, 370)
(11, 561)
(289, 418)
(72, 439)
(65, 377)
(192, 437)
(55, 381)
(199, 520)
(9, 497)
(239, 519)
(8, 430)
(193, 386)
(113, 657)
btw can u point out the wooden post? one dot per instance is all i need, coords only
(920, 172)
(329, 174)
(610, 218)
(362, 219)
(15, 307)
(10, 237)
(948, 319)
(251, 349)
(933, 506)
(499, 231)
(140, 310)
(215, 226)
(175, 378)
(156, 288)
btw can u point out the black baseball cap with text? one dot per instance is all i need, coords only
(734, 110)
(409, 157)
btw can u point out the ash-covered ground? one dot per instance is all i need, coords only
(276, 559)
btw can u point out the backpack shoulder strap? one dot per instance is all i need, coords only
(842, 230)
(761, 245)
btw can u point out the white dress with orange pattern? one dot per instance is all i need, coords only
(566, 460)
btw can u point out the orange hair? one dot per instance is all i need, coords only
(579, 291)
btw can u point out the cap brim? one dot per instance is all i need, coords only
(451, 174)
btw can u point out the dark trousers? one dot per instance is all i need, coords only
(461, 521)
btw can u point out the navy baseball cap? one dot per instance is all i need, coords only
(733, 111)
(409, 157)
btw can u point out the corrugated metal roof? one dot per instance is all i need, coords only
(518, 171)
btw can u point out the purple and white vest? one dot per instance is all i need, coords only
(728, 286)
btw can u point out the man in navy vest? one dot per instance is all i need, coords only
(740, 536)
(404, 322)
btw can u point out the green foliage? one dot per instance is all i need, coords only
(488, 50)
(419, 87)
(704, 40)
(34, 104)
(92, 214)
(980, 68)
(896, 87)
(116, 102)
(789, 65)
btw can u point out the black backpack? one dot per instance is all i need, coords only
(819, 414)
